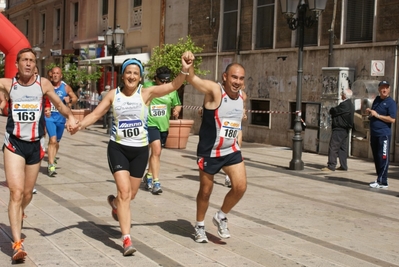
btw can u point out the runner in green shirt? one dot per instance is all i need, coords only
(158, 127)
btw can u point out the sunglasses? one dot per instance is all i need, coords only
(165, 80)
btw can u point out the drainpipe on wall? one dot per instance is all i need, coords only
(217, 49)
(114, 15)
(162, 23)
(331, 30)
(395, 73)
(238, 29)
(63, 25)
(395, 97)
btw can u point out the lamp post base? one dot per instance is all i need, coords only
(296, 162)
(296, 165)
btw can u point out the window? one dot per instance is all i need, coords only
(359, 20)
(57, 24)
(105, 8)
(310, 33)
(75, 19)
(42, 36)
(260, 118)
(230, 17)
(27, 28)
(264, 24)
(135, 18)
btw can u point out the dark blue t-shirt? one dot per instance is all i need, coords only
(384, 107)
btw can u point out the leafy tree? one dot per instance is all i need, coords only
(76, 75)
(169, 54)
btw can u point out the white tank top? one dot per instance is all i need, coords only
(129, 119)
(219, 128)
(26, 119)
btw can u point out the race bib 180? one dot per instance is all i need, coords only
(230, 128)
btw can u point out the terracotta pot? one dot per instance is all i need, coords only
(179, 131)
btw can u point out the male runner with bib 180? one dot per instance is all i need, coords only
(23, 141)
(218, 147)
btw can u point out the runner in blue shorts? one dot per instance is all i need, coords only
(56, 122)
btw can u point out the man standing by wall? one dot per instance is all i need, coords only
(56, 123)
(342, 122)
(382, 115)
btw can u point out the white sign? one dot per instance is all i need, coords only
(57, 52)
(378, 68)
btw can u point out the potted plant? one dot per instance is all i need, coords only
(168, 55)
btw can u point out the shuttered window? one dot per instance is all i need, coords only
(359, 20)
(310, 33)
(230, 16)
(264, 24)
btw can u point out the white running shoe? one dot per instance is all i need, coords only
(223, 231)
(375, 184)
(200, 234)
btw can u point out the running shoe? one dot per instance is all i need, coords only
(156, 188)
(148, 182)
(19, 253)
(375, 184)
(227, 181)
(114, 212)
(51, 170)
(221, 224)
(200, 234)
(128, 248)
(34, 191)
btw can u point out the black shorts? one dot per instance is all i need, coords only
(155, 134)
(214, 165)
(32, 152)
(127, 158)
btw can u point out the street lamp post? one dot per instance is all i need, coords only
(1, 58)
(289, 8)
(114, 41)
(38, 51)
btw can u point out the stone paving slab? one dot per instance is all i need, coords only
(286, 217)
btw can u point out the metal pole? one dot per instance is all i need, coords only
(296, 163)
(109, 115)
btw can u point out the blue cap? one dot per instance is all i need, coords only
(383, 83)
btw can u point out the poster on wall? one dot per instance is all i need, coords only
(226, 62)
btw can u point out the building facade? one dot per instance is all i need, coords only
(350, 34)
(65, 27)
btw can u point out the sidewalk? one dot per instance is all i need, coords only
(286, 218)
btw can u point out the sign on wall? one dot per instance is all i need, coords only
(378, 68)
